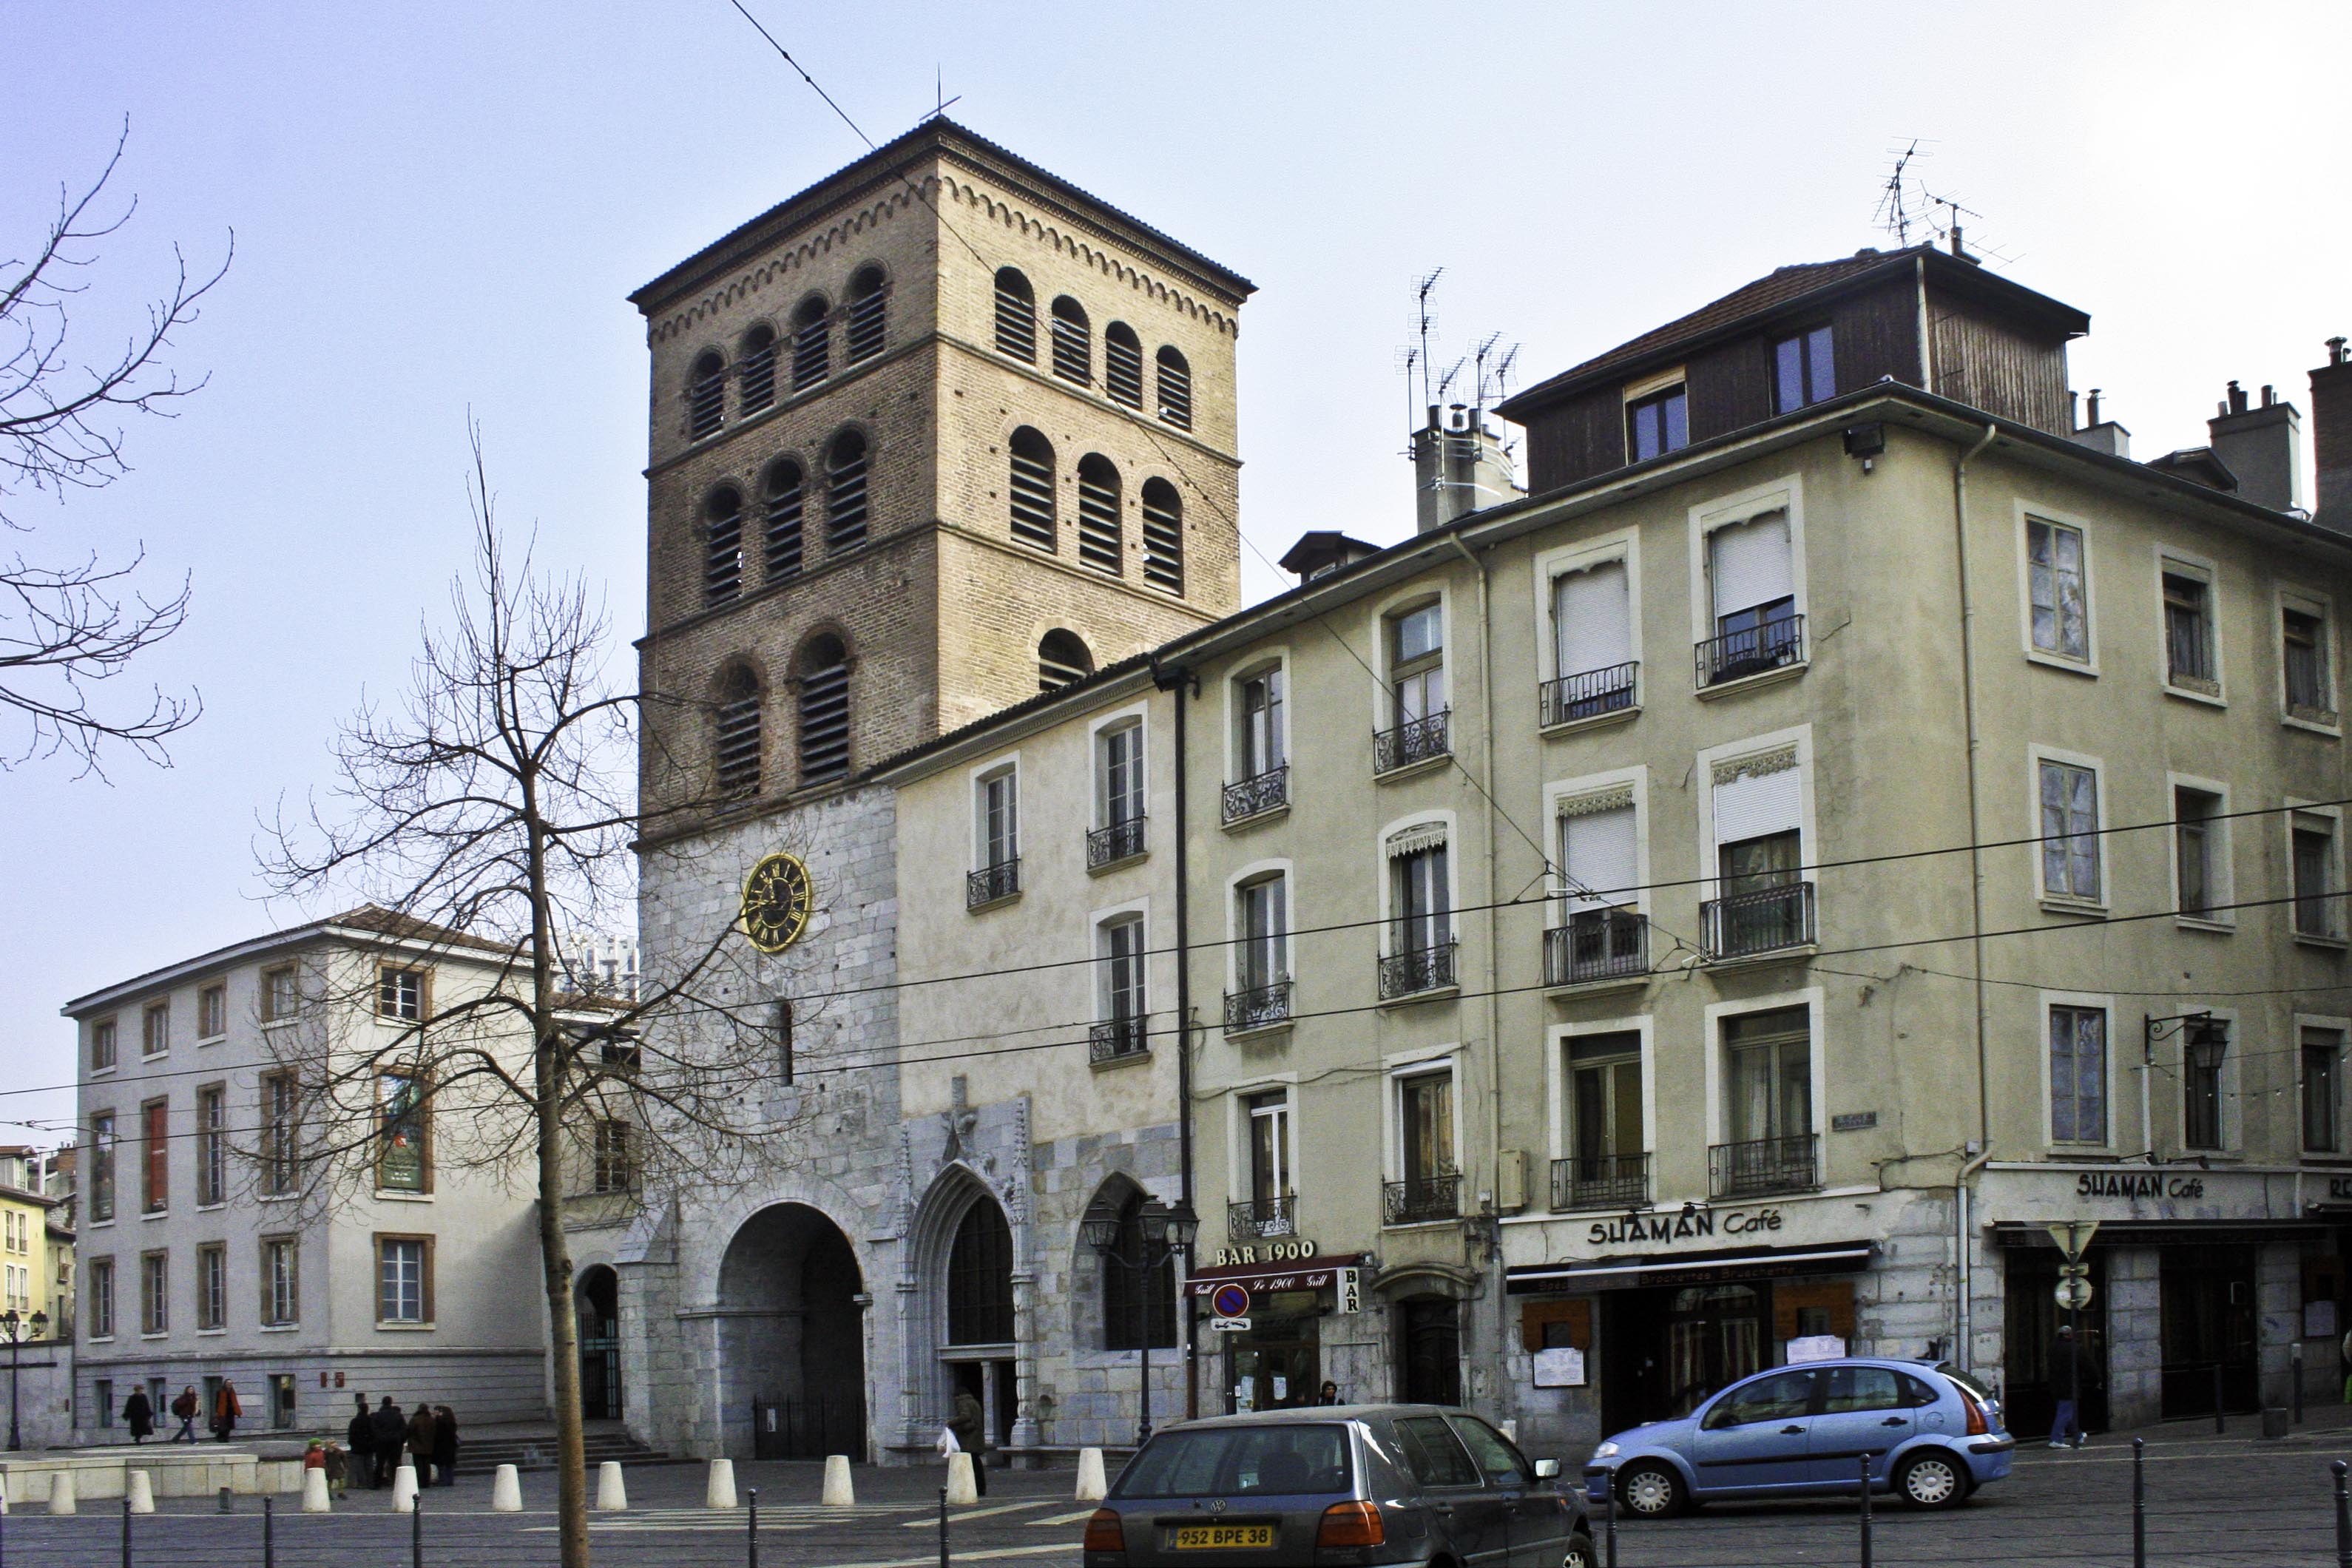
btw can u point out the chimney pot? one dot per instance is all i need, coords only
(2336, 351)
(2270, 395)
(2237, 399)
(2094, 405)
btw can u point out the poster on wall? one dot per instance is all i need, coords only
(1560, 1368)
(1815, 1347)
(2319, 1320)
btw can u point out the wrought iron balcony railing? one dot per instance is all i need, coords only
(1597, 945)
(1418, 968)
(1258, 1007)
(1589, 694)
(1762, 920)
(1600, 1182)
(1119, 841)
(1761, 1165)
(1258, 793)
(1408, 743)
(1417, 1200)
(990, 883)
(1256, 1218)
(1112, 1039)
(1751, 650)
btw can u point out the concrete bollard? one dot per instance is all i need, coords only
(403, 1488)
(962, 1492)
(314, 1492)
(612, 1492)
(138, 1491)
(61, 1492)
(720, 1493)
(1091, 1485)
(506, 1490)
(839, 1493)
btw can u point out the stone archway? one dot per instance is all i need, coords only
(596, 1299)
(968, 1309)
(792, 1338)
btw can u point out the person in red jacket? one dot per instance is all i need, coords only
(225, 1410)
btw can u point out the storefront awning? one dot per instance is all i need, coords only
(1691, 1267)
(1314, 1274)
(2167, 1232)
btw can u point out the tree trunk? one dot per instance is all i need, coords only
(563, 1324)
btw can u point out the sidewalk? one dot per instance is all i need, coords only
(2328, 1424)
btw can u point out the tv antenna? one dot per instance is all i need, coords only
(1421, 293)
(940, 94)
(1895, 213)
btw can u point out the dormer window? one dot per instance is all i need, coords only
(1804, 371)
(1657, 424)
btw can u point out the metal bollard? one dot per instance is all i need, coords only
(126, 1527)
(416, 1533)
(2295, 1354)
(2220, 1425)
(752, 1497)
(1864, 1463)
(1609, 1488)
(2343, 1518)
(2140, 1503)
(227, 1500)
(943, 1527)
(269, 1530)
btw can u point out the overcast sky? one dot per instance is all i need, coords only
(440, 207)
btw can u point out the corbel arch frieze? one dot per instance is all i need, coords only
(1118, 268)
(810, 247)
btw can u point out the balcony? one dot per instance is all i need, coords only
(1592, 694)
(1764, 1166)
(1117, 1039)
(1110, 846)
(1258, 1219)
(1420, 1200)
(992, 884)
(1417, 741)
(1600, 1182)
(1256, 795)
(1418, 968)
(1596, 945)
(1760, 921)
(1752, 650)
(1258, 1007)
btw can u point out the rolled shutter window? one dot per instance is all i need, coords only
(1754, 806)
(1749, 563)
(1591, 619)
(1599, 846)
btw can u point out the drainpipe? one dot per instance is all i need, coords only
(1176, 684)
(1964, 1317)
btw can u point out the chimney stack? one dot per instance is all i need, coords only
(1459, 466)
(2262, 446)
(2102, 435)
(2331, 436)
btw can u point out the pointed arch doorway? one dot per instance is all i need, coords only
(597, 1298)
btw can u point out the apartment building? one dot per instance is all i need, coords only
(209, 1254)
(36, 1247)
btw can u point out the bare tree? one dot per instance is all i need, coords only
(486, 818)
(65, 628)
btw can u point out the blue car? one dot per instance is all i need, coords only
(1933, 1436)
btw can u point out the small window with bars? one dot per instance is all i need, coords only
(1031, 504)
(723, 546)
(1016, 316)
(845, 491)
(737, 745)
(785, 502)
(706, 396)
(1062, 659)
(867, 292)
(811, 344)
(1099, 507)
(1175, 389)
(1123, 364)
(824, 710)
(1073, 353)
(1163, 536)
(757, 375)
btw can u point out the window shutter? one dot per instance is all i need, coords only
(1591, 620)
(1749, 563)
(1749, 805)
(1599, 846)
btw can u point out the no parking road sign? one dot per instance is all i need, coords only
(1230, 1302)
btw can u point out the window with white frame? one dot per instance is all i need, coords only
(212, 1286)
(2322, 1090)
(2069, 796)
(404, 1279)
(281, 1293)
(2200, 853)
(2191, 660)
(2058, 589)
(1804, 370)
(1420, 895)
(212, 1012)
(2307, 659)
(97, 1280)
(1261, 925)
(102, 1165)
(1751, 577)
(1266, 1117)
(1119, 952)
(212, 1144)
(280, 998)
(1260, 746)
(997, 817)
(1593, 644)
(400, 994)
(1416, 653)
(1767, 1075)
(1119, 793)
(1763, 902)
(102, 1046)
(1424, 1108)
(155, 1029)
(2317, 876)
(2078, 1074)
(1656, 422)
(1608, 1152)
(155, 1293)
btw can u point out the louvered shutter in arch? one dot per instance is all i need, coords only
(1591, 619)
(1600, 849)
(1751, 806)
(1749, 563)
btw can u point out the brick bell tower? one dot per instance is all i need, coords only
(937, 433)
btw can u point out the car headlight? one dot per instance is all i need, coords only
(1606, 1451)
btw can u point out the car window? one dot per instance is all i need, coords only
(1436, 1456)
(1916, 1393)
(1241, 1461)
(1782, 1398)
(1984, 1395)
(1492, 1453)
(1854, 1388)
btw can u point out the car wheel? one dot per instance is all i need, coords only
(1932, 1479)
(1651, 1490)
(1580, 1552)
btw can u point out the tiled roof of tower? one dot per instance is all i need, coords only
(947, 134)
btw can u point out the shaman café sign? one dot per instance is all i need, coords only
(2138, 1184)
(1691, 1224)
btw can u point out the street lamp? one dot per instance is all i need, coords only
(1163, 1232)
(16, 1327)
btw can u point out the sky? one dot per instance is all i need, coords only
(438, 209)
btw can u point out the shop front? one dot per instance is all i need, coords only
(1268, 1322)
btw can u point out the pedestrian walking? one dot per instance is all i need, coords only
(391, 1432)
(187, 1407)
(445, 1445)
(338, 1469)
(970, 1428)
(361, 1436)
(1328, 1393)
(420, 1442)
(225, 1410)
(139, 1416)
(2067, 1427)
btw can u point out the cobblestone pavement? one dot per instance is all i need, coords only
(2232, 1503)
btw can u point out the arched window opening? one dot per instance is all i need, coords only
(785, 499)
(845, 491)
(759, 369)
(738, 747)
(824, 710)
(1138, 1305)
(1073, 354)
(1016, 316)
(866, 292)
(1163, 535)
(1123, 364)
(1175, 389)
(1099, 520)
(706, 396)
(1062, 658)
(723, 546)
(811, 344)
(1033, 488)
(980, 1278)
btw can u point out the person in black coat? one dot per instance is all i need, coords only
(139, 1416)
(391, 1433)
(360, 1438)
(444, 1446)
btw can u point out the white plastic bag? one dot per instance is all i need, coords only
(946, 1444)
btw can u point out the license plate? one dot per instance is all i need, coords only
(1220, 1537)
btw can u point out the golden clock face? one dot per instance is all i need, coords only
(777, 898)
